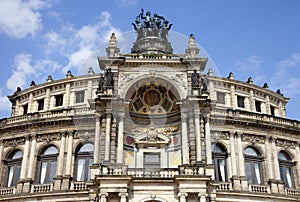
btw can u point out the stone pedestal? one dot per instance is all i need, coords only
(66, 180)
(244, 183)
(236, 184)
(95, 170)
(27, 185)
(57, 182)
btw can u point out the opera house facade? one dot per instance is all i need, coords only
(155, 126)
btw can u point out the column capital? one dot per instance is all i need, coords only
(121, 115)
(108, 114)
(103, 195)
(183, 194)
(238, 134)
(123, 195)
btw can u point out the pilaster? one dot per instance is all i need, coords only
(184, 140)
(198, 136)
(120, 138)
(107, 137)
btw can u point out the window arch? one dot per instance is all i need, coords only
(253, 165)
(219, 156)
(285, 167)
(13, 164)
(47, 164)
(84, 159)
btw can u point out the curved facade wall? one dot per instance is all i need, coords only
(154, 129)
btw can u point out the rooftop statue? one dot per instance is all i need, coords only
(146, 25)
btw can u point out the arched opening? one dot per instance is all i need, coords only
(13, 164)
(253, 163)
(219, 157)
(84, 159)
(47, 164)
(152, 126)
(285, 167)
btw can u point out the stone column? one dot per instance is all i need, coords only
(241, 163)
(103, 197)
(208, 141)
(1, 158)
(107, 137)
(69, 153)
(232, 154)
(30, 104)
(298, 161)
(252, 101)
(268, 155)
(275, 161)
(123, 197)
(47, 99)
(61, 155)
(184, 139)
(22, 181)
(235, 178)
(60, 162)
(90, 89)
(25, 159)
(31, 157)
(182, 197)
(233, 97)
(198, 136)
(120, 138)
(202, 197)
(66, 100)
(97, 138)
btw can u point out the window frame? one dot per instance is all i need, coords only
(257, 106)
(286, 164)
(79, 96)
(152, 165)
(252, 160)
(16, 164)
(86, 156)
(59, 100)
(223, 99)
(49, 159)
(41, 104)
(216, 157)
(240, 101)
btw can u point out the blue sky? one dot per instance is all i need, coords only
(250, 38)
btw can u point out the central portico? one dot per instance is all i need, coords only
(152, 124)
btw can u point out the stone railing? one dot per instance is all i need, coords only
(78, 185)
(65, 112)
(37, 188)
(7, 191)
(257, 188)
(292, 192)
(153, 173)
(223, 186)
(256, 117)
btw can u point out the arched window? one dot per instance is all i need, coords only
(253, 163)
(84, 159)
(47, 164)
(219, 157)
(285, 167)
(13, 163)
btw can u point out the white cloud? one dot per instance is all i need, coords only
(24, 71)
(287, 74)
(251, 63)
(76, 45)
(19, 18)
(5, 105)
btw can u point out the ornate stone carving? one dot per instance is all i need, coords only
(253, 138)
(285, 143)
(124, 79)
(48, 137)
(14, 142)
(180, 79)
(165, 131)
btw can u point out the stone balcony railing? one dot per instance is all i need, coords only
(223, 186)
(292, 192)
(258, 188)
(7, 191)
(269, 119)
(78, 185)
(64, 112)
(37, 188)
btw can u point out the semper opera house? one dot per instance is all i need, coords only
(155, 126)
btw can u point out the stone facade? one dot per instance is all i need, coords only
(153, 127)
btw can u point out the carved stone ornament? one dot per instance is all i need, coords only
(48, 137)
(14, 142)
(124, 79)
(285, 143)
(253, 138)
(165, 131)
(180, 79)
